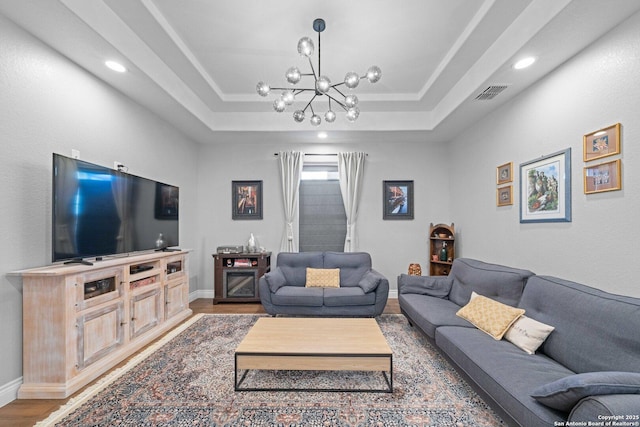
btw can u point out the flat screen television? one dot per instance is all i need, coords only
(99, 211)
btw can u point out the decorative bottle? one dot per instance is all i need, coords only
(160, 242)
(443, 252)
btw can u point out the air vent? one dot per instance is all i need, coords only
(490, 92)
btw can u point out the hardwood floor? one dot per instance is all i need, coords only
(26, 412)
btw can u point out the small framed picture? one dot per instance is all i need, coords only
(603, 177)
(504, 196)
(397, 200)
(504, 173)
(601, 143)
(545, 188)
(246, 199)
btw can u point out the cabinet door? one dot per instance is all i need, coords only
(146, 311)
(176, 298)
(99, 332)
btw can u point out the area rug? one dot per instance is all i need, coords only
(187, 379)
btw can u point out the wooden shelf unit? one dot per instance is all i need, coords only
(439, 235)
(227, 265)
(80, 321)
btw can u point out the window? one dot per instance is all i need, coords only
(323, 221)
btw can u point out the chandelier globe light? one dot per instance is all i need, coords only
(322, 87)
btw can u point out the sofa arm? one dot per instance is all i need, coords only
(607, 407)
(435, 286)
(265, 296)
(382, 293)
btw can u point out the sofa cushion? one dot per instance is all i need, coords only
(435, 286)
(528, 334)
(489, 316)
(353, 295)
(323, 278)
(298, 296)
(504, 371)
(429, 312)
(352, 265)
(294, 265)
(564, 393)
(498, 282)
(594, 330)
(275, 279)
(369, 281)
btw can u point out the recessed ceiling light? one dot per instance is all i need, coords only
(115, 66)
(524, 63)
(322, 135)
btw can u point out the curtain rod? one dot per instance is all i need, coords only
(320, 154)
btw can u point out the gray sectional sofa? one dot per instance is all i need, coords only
(586, 371)
(362, 292)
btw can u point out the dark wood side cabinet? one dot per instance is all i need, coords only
(236, 276)
(441, 236)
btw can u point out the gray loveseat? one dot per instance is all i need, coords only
(362, 292)
(586, 370)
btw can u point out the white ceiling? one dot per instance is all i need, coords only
(196, 62)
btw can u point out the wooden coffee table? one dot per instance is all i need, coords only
(317, 344)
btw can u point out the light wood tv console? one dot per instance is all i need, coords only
(80, 321)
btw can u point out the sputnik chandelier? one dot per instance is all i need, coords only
(322, 87)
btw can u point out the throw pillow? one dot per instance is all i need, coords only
(489, 316)
(323, 278)
(564, 393)
(433, 286)
(275, 279)
(528, 334)
(369, 282)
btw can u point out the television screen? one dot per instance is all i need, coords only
(99, 211)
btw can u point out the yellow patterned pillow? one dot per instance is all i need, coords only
(489, 315)
(323, 278)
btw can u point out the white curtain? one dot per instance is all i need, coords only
(351, 173)
(290, 171)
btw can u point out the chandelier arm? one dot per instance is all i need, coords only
(312, 69)
(341, 104)
(309, 104)
(337, 90)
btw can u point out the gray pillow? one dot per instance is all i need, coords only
(369, 282)
(435, 286)
(564, 393)
(275, 280)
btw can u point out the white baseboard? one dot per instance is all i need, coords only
(9, 391)
(208, 293)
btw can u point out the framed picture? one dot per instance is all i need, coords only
(504, 196)
(397, 199)
(504, 173)
(545, 188)
(166, 203)
(246, 199)
(601, 143)
(603, 177)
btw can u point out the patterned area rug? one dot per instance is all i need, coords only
(187, 379)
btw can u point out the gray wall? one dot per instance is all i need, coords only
(48, 104)
(597, 88)
(392, 244)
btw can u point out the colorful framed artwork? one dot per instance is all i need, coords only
(504, 196)
(246, 199)
(603, 177)
(601, 143)
(545, 188)
(504, 173)
(397, 200)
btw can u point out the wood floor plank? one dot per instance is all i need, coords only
(26, 412)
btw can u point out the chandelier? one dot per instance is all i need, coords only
(322, 87)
